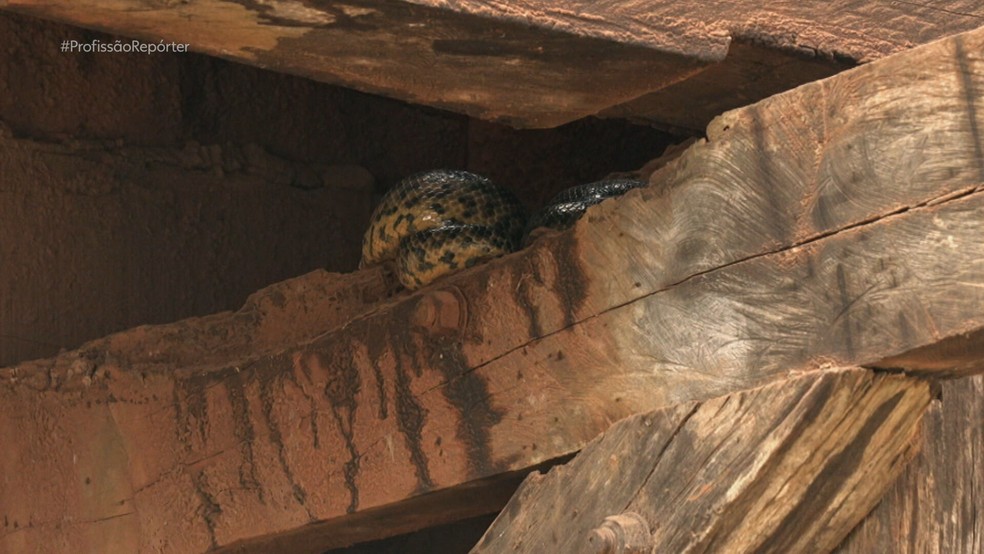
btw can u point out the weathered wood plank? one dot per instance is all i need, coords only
(374, 413)
(786, 171)
(751, 71)
(532, 62)
(791, 467)
(769, 250)
(956, 356)
(935, 506)
(495, 69)
(848, 28)
(829, 155)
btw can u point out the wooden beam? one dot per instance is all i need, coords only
(956, 356)
(492, 68)
(791, 467)
(835, 225)
(935, 505)
(537, 63)
(751, 72)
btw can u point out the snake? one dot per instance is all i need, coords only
(436, 222)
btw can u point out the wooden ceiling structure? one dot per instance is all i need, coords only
(539, 63)
(773, 315)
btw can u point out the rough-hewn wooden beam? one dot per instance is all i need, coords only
(835, 225)
(955, 356)
(492, 68)
(791, 467)
(535, 62)
(935, 506)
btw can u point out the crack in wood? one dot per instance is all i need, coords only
(730, 474)
(846, 301)
(889, 216)
(820, 389)
(669, 441)
(891, 265)
(60, 523)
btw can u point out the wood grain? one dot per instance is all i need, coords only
(935, 506)
(534, 63)
(495, 69)
(835, 225)
(854, 29)
(790, 467)
(957, 356)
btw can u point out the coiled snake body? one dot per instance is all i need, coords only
(437, 222)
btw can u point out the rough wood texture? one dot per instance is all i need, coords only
(751, 71)
(935, 506)
(496, 69)
(835, 225)
(536, 62)
(956, 356)
(97, 238)
(791, 467)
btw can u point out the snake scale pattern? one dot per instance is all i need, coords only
(437, 222)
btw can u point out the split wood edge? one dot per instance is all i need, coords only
(232, 438)
(789, 467)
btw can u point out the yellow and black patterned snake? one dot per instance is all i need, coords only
(437, 222)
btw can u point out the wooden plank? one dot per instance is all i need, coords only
(797, 238)
(537, 63)
(495, 69)
(281, 441)
(846, 28)
(956, 356)
(750, 73)
(935, 506)
(791, 467)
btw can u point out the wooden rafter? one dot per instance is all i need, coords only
(539, 63)
(931, 508)
(835, 225)
(790, 467)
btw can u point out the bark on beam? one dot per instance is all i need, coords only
(832, 226)
(790, 467)
(538, 63)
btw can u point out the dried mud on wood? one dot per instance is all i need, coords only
(790, 467)
(836, 225)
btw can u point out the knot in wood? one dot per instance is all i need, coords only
(626, 533)
(439, 312)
